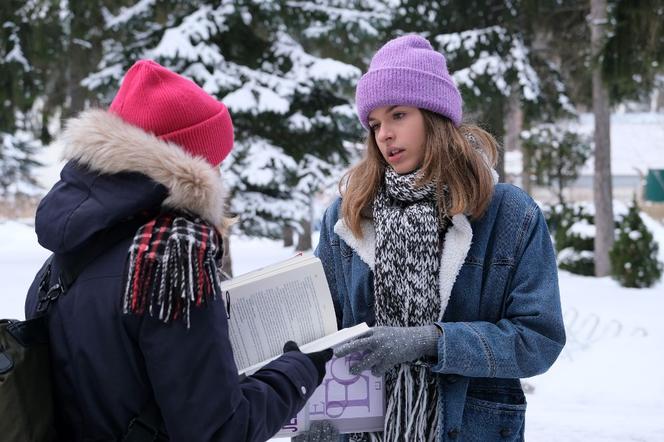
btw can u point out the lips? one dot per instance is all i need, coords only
(394, 151)
(394, 154)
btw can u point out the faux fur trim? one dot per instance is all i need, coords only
(106, 144)
(365, 247)
(457, 244)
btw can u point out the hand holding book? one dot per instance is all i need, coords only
(385, 347)
(290, 301)
(318, 358)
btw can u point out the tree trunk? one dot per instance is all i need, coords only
(288, 236)
(227, 260)
(513, 127)
(304, 239)
(602, 180)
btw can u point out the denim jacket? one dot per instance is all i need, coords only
(502, 318)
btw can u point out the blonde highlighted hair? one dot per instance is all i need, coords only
(461, 158)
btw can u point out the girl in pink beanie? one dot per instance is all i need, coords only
(131, 298)
(455, 273)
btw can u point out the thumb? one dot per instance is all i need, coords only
(291, 346)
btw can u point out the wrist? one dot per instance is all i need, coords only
(430, 336)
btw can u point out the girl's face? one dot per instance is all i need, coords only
(400, 136)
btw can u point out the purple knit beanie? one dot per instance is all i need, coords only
(408, 71)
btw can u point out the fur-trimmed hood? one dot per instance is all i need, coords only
(115, 170)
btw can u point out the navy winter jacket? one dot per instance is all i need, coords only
(107, 365)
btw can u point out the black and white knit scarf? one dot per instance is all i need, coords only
(406, 289)
(174, 264)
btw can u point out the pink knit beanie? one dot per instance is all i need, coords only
(174, 109)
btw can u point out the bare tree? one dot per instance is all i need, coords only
(288, 236)
(304, 238)
(602, 185)
(513, 128)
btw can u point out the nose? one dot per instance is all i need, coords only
(384, 133)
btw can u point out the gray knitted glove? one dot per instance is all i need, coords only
(389, 346)
(320, 431)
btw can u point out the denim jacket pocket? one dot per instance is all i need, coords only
(486, 418)
(345, 250)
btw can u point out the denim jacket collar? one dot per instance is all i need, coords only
(457, 244)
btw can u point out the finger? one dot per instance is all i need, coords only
(359, 344)
(291, 346)
(363, 336)
(380, 370)
(369, 361)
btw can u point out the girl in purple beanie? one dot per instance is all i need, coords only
(455, 273)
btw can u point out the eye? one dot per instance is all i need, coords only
(398, 115)
(374, 126)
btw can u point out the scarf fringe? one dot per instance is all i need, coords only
(410, 415)
(172, 267)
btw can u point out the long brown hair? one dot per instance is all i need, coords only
(460, 158)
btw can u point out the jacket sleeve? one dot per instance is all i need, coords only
(530, 335)
(328, 246)
(196, 384)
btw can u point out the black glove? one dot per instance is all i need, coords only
(319, 358)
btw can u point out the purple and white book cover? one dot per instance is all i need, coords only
(352, 403)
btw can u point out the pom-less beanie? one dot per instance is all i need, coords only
(408, 71)
(174, 109)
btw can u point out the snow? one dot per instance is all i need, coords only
(16, 54)
(256, 99)
(127, 13)
(583, 229)
(637, 142)
(497, 66)
(634, 235)
(607, 384)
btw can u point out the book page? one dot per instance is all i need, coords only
(328, 341)
(297, 260)
(267, 311)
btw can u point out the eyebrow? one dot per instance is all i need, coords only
(389, 109)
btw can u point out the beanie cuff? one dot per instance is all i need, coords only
(407, 87)
(211, 139)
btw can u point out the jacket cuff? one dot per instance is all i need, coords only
(457, 351)
(299, 370)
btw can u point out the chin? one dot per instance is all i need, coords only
(403, 170)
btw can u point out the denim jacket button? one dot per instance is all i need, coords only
(453, 433)
(505, 432)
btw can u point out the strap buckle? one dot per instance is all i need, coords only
(46, 297)
(140, 431)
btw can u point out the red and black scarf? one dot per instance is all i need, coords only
(174, 263)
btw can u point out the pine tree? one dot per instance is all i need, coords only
(290, 106)
(573, 237)
(556, 156)
(29, 39)
(633, 256)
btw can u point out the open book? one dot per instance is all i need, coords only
(286, 301)
(291, 300)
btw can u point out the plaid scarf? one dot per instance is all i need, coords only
(174, 263)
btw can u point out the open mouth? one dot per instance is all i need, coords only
(391, 153)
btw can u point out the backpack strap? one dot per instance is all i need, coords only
(147, 426)
(70, 265)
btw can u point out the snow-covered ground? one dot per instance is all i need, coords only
(607, 385)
